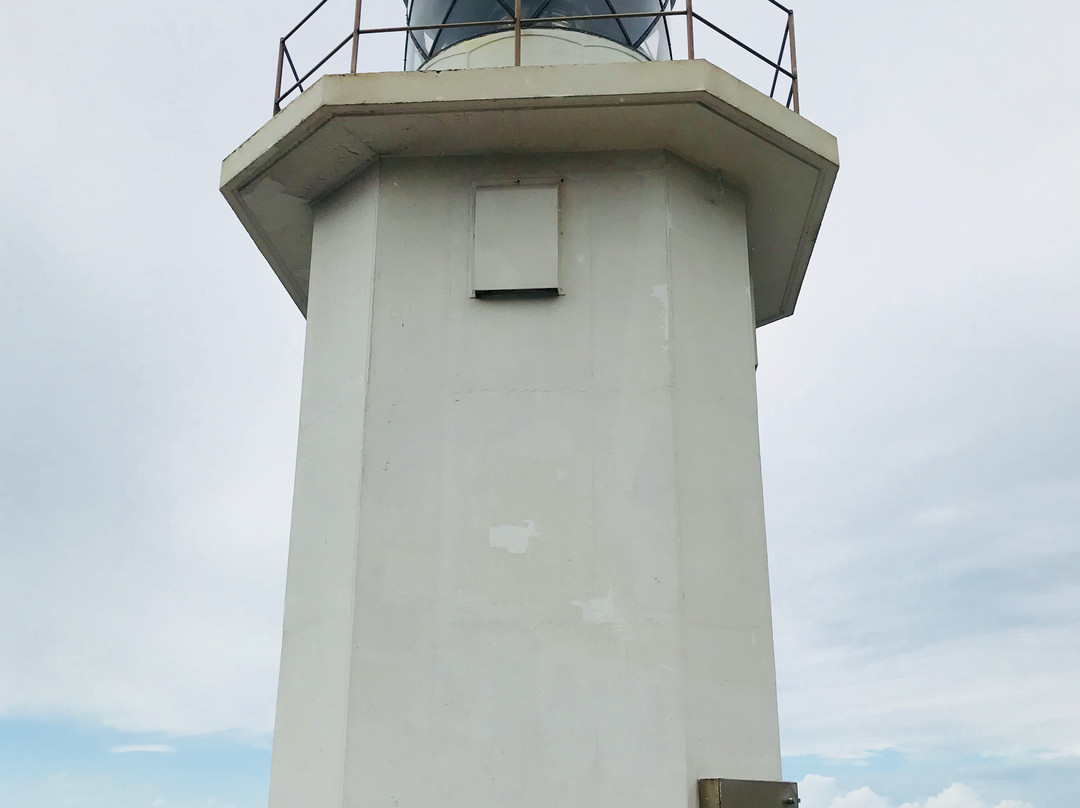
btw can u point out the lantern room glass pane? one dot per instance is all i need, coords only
(647, 35)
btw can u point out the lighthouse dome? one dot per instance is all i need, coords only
(549, 38)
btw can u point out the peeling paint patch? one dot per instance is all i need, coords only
(597, 610)
(601, 611)
(513, 538)
(660, 294)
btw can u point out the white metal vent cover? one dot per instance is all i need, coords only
(516, 239)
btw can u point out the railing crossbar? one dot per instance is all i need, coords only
(743, 45)
(307, 17)
(402, 29)
(322, 61)
(292, 67)
(585, 17)
(780, 58)
(508, 23)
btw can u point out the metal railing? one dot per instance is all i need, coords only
(518, 22)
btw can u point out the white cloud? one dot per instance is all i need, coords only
(859, 798)
(816, 791)
(1008, 691)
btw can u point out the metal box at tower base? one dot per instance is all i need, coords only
(726, 793)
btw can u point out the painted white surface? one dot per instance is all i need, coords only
(528, 556)
(313, 684)
(539, 46)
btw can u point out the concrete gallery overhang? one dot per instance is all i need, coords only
(784, 165)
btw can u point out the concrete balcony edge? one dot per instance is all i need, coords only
(784, 165)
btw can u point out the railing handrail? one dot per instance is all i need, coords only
(517, 22)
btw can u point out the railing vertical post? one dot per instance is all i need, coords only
(355, 37)
(517, 33)
(794, 67)
(689, 29)
(277, 82)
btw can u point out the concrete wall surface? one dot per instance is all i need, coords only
(528, 557)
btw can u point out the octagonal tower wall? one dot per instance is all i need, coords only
(528, 556)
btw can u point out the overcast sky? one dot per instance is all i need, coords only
(920, 437)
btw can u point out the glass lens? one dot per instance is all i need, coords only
(648, 35)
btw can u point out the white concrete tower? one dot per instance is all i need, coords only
(527, 565)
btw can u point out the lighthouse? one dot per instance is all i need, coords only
(527, 563)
